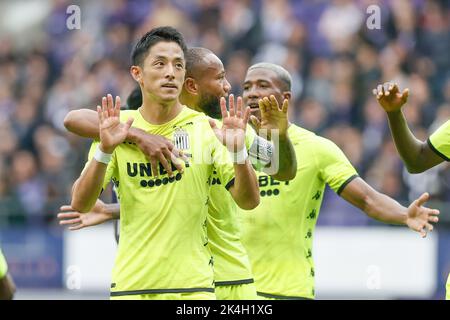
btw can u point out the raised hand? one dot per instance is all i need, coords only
(419, 218)
(272, 117)
(389, 97)
(234, 124)
(112, 131)
(77, 220)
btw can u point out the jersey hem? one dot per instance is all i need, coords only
(159, 291)
(275, 296)
(233, 282)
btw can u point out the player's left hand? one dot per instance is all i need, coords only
(420, 218)
(272, 117)
(234, 124)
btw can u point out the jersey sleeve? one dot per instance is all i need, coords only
(439, 141)
(334, 167)
(110, 170)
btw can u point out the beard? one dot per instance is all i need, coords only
(210, 105)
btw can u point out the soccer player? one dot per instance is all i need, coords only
(418, 156)
(7, 287)
(163, 251)
(278, 233)
(205, 83)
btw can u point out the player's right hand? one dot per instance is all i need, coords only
(76, 220)
(389, 96)
(112, 131)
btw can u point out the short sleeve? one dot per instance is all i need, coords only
(439, 141)
(334, 167)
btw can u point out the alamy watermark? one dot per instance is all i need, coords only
(73, 21)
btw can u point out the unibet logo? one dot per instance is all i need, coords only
(265, 181)
(269, 193)
(144, 170)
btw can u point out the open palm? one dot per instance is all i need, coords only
(234, 124)
(419, 218)
(112, 131)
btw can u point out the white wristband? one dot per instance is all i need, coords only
(240, 156)
(102, 157)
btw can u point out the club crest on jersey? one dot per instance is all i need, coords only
(181, 139)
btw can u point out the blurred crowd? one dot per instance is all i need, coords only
(335, 60)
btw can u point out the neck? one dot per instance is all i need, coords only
(190, 101)
(157, 112)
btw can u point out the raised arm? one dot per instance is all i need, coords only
(87, 188)
(245, 190)
(275, 118)
(383, 208)
(157, 149)
(417, 155)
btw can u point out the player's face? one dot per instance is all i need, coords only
(212, 85)
(163, 71)
(260, 83)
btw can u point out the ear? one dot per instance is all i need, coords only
(191, 86)
(287, 95)
(136, 73)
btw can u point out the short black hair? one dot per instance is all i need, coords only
(134, 100)
(151, 38)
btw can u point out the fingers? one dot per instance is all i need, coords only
(70, 221)
(405, 95)
(246, 115)
(274, 103)
(255, 122)
(216, 130)
(262, 108)
(66, 208)
(109, 105)
(165, 163)
(100, 114)
(231, 105)
(155, 167)
(117, 107)
(68, 215)
(285, 106)
(422, 199)
(223, 108)
(78, 227)
(129, 123)
(433, 219)
(239, 107)
(176, 162)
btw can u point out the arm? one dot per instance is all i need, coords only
(87, 188)
(245, 190)
(383, 208)
(416, 154)
(7, 287)
(84, 122)
(99, 214)
(283, 165)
